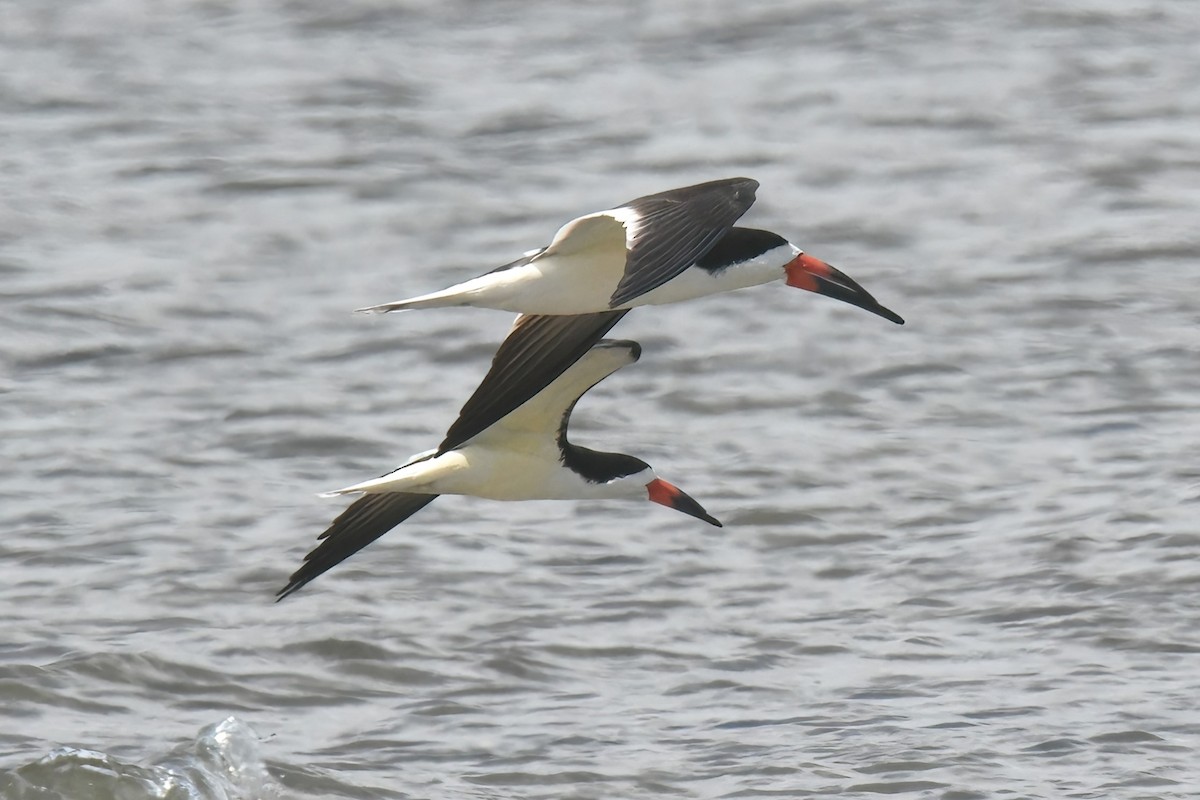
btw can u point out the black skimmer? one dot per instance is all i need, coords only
(662, 248)
(522, 454)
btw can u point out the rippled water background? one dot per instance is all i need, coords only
(961, 557)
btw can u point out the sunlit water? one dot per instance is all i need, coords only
(960, 557)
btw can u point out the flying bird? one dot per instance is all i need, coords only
(521, 454)
(662, 248)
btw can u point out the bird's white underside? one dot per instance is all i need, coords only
(582, 267)
(520, 471)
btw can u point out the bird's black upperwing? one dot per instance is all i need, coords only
(537, 350)
(672, 229)
(367, 518)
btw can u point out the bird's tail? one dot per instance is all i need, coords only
(386, 483)
(443, 299)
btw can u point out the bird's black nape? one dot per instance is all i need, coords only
(738, 246)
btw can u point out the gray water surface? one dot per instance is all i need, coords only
(960, 557)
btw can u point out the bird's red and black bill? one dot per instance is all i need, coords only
(672, 496)
(814, 275)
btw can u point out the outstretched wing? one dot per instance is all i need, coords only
(367, 518)
(548, 413)
(537, 350)
(666, 232)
